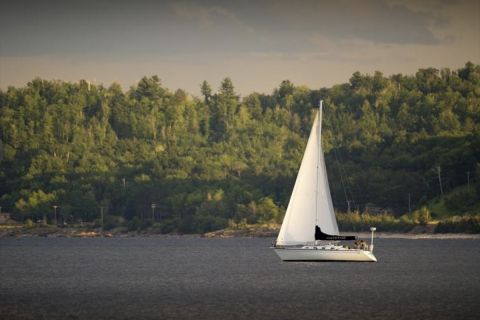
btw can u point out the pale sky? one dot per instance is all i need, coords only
(256, 43)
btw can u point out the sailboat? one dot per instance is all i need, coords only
(309, 230)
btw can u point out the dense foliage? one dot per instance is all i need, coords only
(203, 161)
(356, 222)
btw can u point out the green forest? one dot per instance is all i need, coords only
(150, 155)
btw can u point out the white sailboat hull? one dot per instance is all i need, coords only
(310, 254)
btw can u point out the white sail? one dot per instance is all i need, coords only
(310, 203)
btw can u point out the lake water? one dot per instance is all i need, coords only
(198, 278)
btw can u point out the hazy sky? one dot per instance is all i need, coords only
(256, 43)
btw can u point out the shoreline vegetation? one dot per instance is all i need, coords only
(55, 232)
(413, 226)
(402, 152)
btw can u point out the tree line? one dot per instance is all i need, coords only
(191, 164)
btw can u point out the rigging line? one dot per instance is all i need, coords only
(335, 152)
(344, 185)
(346, 190)
(354, 186)
(341, 177)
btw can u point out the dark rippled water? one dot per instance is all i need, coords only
(195, 278)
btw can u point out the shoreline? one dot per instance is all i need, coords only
(419, 236)
(52, 232)
(360, 235)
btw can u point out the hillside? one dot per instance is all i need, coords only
(192, 164)
(459, 201)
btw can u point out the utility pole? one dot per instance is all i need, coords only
(348, 206)
(440, 179)
(153, 211)
(101, 216)
(55, 215)
(468, 182)
(409, 204)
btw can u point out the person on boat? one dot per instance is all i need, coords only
(363, 245)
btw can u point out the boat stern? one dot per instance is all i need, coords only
(370, 255)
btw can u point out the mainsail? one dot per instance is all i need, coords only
(310, 203)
